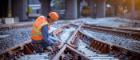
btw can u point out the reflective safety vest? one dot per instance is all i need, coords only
(36, 29)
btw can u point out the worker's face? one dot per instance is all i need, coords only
(51, 21)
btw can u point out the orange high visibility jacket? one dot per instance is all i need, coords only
(36, 29)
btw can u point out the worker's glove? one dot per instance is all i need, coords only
(52, 48)
(56, 32)
(49, 48)
(58, 44)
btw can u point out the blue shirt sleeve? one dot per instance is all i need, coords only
(45, 34)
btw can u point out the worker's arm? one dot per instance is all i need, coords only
(45, 34)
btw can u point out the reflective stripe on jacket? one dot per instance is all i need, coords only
(37, 26)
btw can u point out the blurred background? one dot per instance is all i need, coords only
(26, 10)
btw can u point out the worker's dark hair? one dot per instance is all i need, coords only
(48, 16)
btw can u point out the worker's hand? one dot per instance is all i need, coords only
(56, 46)
(59, 44)
(50, 48)
(57, 31)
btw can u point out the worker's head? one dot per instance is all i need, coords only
(52, 17)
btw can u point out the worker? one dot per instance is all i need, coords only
(40, 29)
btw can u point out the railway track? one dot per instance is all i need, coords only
(134, 34)
(128, 40)
(14, 39)
(107, 45)
(101, 46)
(14, 36)
(76, 47)
(4, 27)
(86, 42)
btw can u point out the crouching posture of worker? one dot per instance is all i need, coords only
(40, 29)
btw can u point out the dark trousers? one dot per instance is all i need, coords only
(40, 45)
